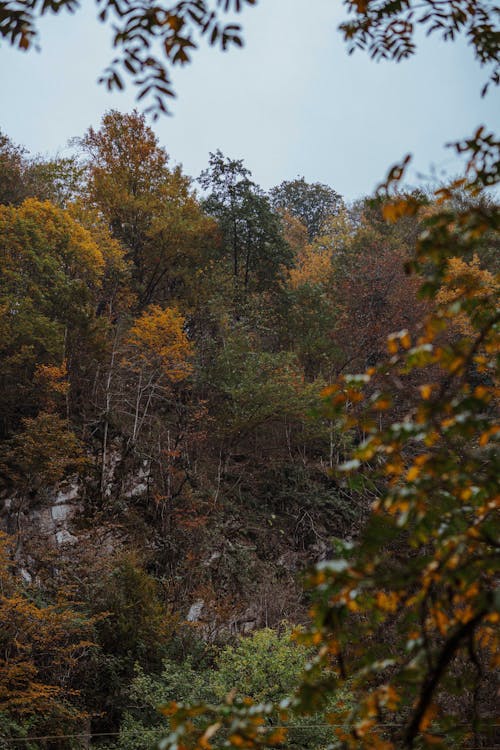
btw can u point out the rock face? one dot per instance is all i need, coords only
(51, 514)
(51, 517)
(195, 611)
(137, 484)
(226, 576)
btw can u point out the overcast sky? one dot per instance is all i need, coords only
(292, 102)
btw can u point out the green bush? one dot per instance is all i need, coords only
(264, 666)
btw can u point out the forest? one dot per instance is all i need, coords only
(248, 442)
(167, 454)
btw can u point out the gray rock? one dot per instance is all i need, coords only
(67, 494)
(195, 611)
(65, 537)
(26, 575)
(61, 512)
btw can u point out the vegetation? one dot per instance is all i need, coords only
(262, 667)
(407, 613)
(180, 439)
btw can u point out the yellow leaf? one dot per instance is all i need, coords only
(392, 345)
(413, 473)
(488, 434)
(426, 391)
(405, 340)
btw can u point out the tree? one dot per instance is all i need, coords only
(257, 387)
(41, 648)
(149, 207)
(57, 180)
(373, 293)
(310, 311)
(311, 203)
(407, 613)
(463, 279)
(133, 628)
(42, 453)
(252, 237)
(11, 171)
(261, 667)
(50, 275)
(437, 471)
(157, 353)
(408, 633)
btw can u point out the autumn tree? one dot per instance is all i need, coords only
(463, 279)
(406, 613)
(149, 207)
(42, 646)
(156, 356)
(11, 171)
(51, 271)
(438, 467)
(373, 293)
(115, 296)
(41, 453)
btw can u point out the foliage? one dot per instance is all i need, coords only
(439, 468)
(465, 279)
(42, 453)
(50, 275)
(133, 629)
(252, 238)
(148, 207)
(263, 666)
(312, 203)
(11, 171)
(373, 293)
(158, 338)
(387, 29)
(135, 28)
(57, 180)
(258, 387)
(115, 296)
(176, 347)
(313, 267)
(136, 622)
(41, 648)
(155, 357)
(143, 725)
(423, 568)
(310, 310)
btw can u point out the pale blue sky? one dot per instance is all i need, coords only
(292, 102)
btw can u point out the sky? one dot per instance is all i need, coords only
(291, 103)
